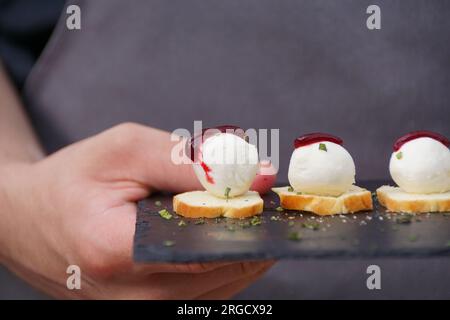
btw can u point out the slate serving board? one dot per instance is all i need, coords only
(287, 234)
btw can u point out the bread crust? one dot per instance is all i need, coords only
(412, 206)
(188, 210)
(322, 205)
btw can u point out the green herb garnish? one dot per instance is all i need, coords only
(290, 189)
(231, 228)
(274, 218)
(413, 238)
(311, 225)
(399, 155)
(182, 223)
(200, 221)
(245, 225)
(168, 243)
(158, 203)
(294, 236)
(291, 223)
(323, 147)
(165, 214)
(404, 219)
(227, 192)
(279, 209)
(256, 221)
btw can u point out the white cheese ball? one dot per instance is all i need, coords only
(229, 165)
(421, 165)
(319, 172)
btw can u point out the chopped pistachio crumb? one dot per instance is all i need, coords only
(165, 214)
(312, 225)
(404, 219)
(158, 203)
(231, 228)
(294, 236)
(200, 221)
(399, 155)
(279, 209)
(245, 225)
(323, 147)
(256, 221)
(168, 243)
(290, 189)
(182, 223)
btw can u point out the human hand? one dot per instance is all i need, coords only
(78, 207)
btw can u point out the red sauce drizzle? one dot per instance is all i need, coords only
(311, 138)
(207, 171)
(420, 134)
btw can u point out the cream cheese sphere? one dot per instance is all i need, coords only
(227, 165)
(314, 170)
(421, 165)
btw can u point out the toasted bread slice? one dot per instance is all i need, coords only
(202, 204)
(354, 200)
(397, 200)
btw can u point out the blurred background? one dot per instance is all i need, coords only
(295, 65)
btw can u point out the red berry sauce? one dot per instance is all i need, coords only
(311, 138)
(420, 134)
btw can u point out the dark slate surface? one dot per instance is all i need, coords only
(369, 234)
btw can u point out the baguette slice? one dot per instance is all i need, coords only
(397, 200)
(354, 200)
(202, 204)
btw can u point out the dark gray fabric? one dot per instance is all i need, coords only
(25, 26)
(295, 65)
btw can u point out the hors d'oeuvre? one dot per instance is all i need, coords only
(322, 176)
(420, 166)
(226, 165)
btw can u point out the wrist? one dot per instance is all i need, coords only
(10, 177)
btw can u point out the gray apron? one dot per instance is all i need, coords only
(300, 66)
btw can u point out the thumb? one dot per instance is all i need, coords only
(147, 156)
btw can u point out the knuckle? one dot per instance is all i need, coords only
(96, 267)
(97, 261)
(127, 127)
(126, 134)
